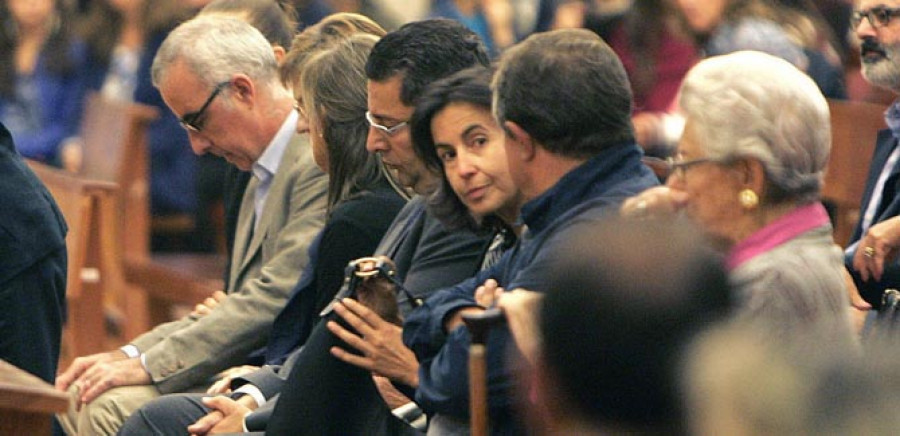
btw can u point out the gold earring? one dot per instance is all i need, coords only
(749, 200)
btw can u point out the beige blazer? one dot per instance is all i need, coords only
(189, 351)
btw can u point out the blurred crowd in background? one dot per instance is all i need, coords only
(64, 49)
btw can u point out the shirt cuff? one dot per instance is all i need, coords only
(144, 364)
(130, 350)
(253, 392)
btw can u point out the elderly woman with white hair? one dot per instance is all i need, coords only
(748, 171)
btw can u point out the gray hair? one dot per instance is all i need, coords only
(215, 48)
(753, 105)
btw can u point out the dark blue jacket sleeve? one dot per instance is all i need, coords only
(423, 329)
(443, 378)
(443, 357)
(267, 379)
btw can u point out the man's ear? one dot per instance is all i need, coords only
(519, 141)
(279, 53)
(243, 88)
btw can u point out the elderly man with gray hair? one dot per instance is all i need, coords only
(220, 76)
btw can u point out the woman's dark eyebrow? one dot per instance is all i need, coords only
(470, 129)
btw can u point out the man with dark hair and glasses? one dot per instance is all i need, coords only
(871, 256)
(220, 76)
(398, 73)
(389, 131)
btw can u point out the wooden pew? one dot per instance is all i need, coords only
(115, 149)
(93, 268)
(113, 146)
(27, 403)
(854, 128)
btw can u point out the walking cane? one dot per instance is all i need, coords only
(479, 324)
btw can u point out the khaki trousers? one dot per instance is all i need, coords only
(106, 414)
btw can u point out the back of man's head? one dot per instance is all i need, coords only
(568, 90)
(625, 300)
(215, 48)
(424, 51)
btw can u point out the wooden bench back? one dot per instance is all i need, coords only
(114, 136)
(854, 129)
(115, 148)
(27, 403)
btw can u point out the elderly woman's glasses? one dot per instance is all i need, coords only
(390, 131)
(664, 168)
(189, 120)
(878, 16)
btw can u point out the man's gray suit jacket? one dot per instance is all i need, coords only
(265, 267)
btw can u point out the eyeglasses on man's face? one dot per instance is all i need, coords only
(878, 16)
(390, 131)
(190, 120)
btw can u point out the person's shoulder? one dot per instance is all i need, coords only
(299, 147)
(32, 223)
(435, 230)
(298, 158)
(414, 208)
(373, 199)
(798, 263)
(369, 206)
